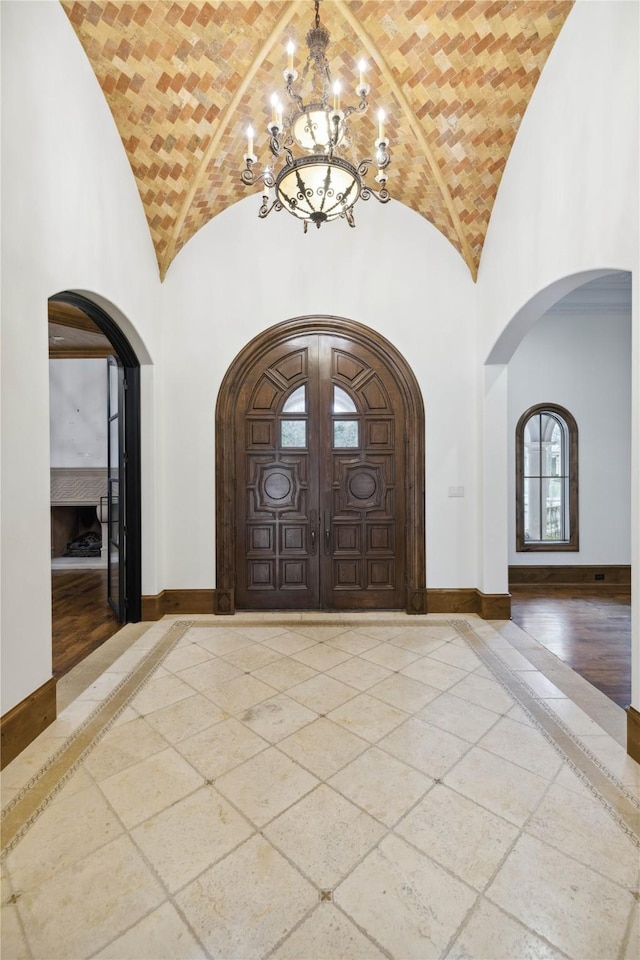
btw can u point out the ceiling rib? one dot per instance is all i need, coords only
(416, 128)
(225, 120)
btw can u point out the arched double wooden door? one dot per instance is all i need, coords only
(321, 497)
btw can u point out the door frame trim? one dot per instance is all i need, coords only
(414, 433)
(133, 487)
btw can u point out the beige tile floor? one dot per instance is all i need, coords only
(307, 786)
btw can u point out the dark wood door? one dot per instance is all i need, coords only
(320, 480)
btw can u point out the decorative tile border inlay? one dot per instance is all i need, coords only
(621, 805)
(25, 808)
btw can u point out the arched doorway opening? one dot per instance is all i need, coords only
(570, 345)
(105, 597)
(320, 473)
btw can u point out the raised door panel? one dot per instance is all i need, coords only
(362, 482)
(276, 483)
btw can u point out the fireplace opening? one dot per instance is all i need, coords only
(75, 532)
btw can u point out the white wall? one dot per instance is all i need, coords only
(394, 273)
(568, 200)
(582, 363)
(567, 205)
(71, 218)
(78, 413)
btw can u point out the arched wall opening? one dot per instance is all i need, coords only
(585, 320)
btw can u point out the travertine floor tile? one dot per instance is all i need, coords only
(244, 905)
(389, 656)
(429, 749)
(185, 718)
(327, 933)
(277, 718)
(497, 784)
(580, 827)
(412, 907)
(151, 785)
(263, 632)
(122, 747)
(585, 916)
(162, 935)
(14, 944)
(160, 692)
(352, 642)
(284, 673)
(632, 946)
(321, 632)
(321, 693)
(462, 836)
(522, 745)
(381, 785)
(265, 785)
(288, 643)
(464, 719)
(404, 692)
(324, 835)
(252, 657)
(456, 656)
(219, 640)
(322, 747)
(321, 656)
(221, 748)
(188, 656)
(434, 673)
(359, 673)
(459, 834)
(484, 693)
(190, 836)
(211, 673)
(73, 829)
(88, 903)
(240, 693)
(368, 717)
(491, 933)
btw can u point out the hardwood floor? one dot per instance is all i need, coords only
(590, 632)
(82, 618)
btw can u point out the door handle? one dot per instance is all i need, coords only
(327, 533)
(312, 523)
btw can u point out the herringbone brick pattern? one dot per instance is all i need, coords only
(454, 77)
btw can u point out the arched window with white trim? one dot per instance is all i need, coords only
(546, 480)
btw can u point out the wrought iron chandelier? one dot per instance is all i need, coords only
(322, 184)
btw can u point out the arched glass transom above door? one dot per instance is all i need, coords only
(313, 419)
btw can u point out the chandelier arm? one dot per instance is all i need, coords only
(266, 207)
(249, 178)
(274, 145)
(382, 195)
(360, 108)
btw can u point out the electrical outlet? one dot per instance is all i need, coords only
(456, 491)
(599, 576)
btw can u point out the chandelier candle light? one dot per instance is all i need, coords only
(321, 184)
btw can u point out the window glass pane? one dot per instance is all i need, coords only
(552, 525)
(531, 458)
(296, 402)
(345, 433)
(113, 447)
(293, 433)
(552, 457)
(342, 403)
(531, 509)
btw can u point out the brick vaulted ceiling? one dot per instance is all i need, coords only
(184, 79)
